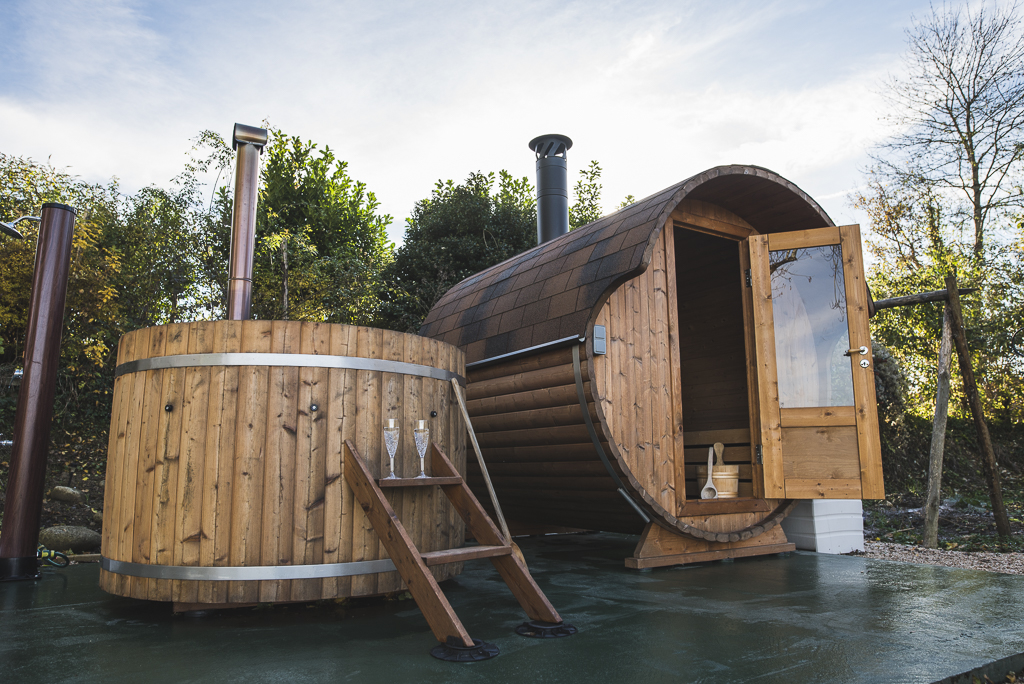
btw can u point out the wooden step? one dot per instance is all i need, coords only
(464, 554)
(417, 481)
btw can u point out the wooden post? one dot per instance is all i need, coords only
(931, 507)
(971, 390)
(24, 503)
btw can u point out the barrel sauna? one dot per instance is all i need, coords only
(224, 473)
(604, 363)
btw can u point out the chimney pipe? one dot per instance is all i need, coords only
(249, 142)
(552, 186)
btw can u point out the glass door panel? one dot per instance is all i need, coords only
(811, 332)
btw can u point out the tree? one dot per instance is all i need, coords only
(587, 190)
(321, 245)
(458, 231)
(960, 111)
(587, 207)
(914, 242)
(159, 242)
(92, 311)
(953, 169)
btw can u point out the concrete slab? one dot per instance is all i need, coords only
(802, 617)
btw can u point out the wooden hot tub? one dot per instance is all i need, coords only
(224, 472)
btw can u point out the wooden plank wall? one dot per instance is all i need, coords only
(544, 467)
(634, 380)
(240, 470)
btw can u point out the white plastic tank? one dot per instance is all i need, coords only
(827, 526)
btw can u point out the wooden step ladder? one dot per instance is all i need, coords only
(413, 565)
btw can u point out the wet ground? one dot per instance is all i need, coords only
(801, 617)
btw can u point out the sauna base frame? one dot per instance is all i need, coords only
(660, 547)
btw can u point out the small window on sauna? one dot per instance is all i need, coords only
(811, 328)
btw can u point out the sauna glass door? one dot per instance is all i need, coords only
(814, 369)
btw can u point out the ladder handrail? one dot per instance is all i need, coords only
(480, 460)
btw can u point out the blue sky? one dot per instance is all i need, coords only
(412, 92)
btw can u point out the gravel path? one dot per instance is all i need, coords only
(1009, 563)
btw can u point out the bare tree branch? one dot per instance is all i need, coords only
(960, 111)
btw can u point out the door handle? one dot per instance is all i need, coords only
(863, 351)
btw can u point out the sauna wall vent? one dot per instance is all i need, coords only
(600, 345)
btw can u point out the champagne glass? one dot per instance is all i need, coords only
(391, 443)
(422, 435)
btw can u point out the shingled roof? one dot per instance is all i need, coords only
(551, 291)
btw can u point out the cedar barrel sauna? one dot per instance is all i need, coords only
(604, 363)
(224, 473)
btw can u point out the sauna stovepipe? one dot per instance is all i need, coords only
(249, 142)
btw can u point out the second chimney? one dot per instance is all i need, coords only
(552, 186)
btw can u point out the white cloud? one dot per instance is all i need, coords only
(411, 92)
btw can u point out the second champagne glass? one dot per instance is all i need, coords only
(422, 435)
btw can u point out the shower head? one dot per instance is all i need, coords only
(9, 229)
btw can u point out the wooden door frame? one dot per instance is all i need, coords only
(698, 217)
(768, 416)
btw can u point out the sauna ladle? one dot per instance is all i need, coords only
(710, 491)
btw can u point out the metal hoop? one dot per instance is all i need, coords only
(240, 573)
(286, 360)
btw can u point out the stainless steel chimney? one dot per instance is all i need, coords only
(552, 186)
(249, 142)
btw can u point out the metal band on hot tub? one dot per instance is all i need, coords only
(288, 360)
(246, 573)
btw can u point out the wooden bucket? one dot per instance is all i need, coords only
(224, 473)
(726, 479)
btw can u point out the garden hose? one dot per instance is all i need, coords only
(54, 558)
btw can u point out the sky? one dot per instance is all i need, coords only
(409, 93)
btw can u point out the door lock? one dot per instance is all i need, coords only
(863, 351)
(864, 363)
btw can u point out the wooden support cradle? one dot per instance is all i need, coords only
(660, 547)
(413, 565)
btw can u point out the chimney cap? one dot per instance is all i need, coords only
(550, 145)
(251, 135)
